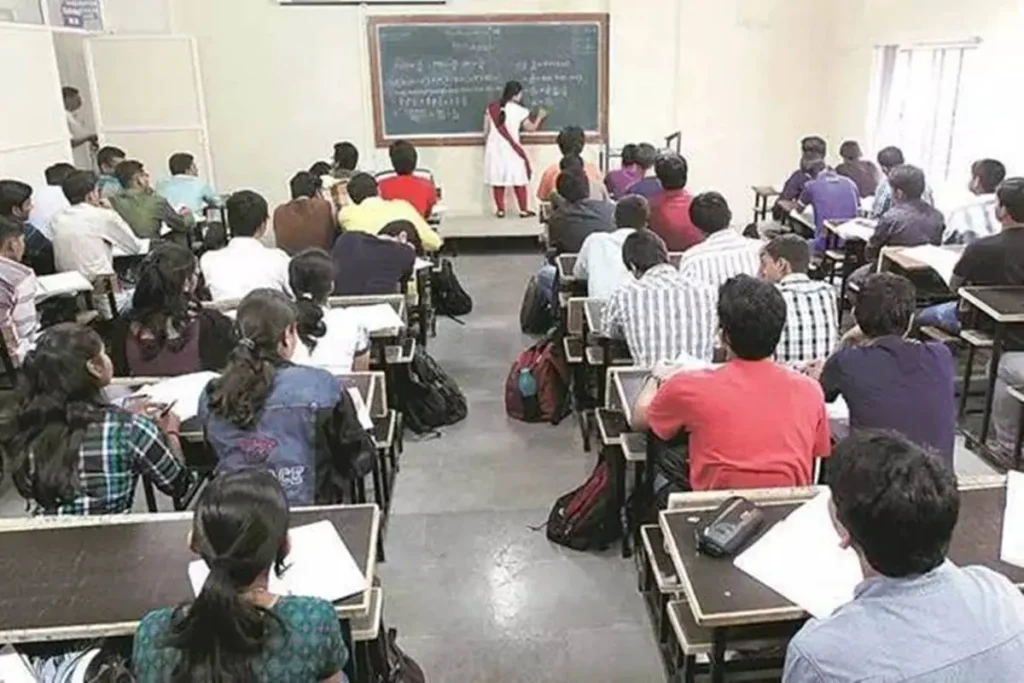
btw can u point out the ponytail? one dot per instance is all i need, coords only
(310, 321)
(311, 276)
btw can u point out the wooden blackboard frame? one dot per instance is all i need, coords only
(471, 139)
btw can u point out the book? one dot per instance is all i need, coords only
(183, 392)
(61, 284)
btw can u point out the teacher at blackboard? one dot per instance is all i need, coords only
(505, 162)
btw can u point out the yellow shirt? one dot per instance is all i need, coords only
(373, 213)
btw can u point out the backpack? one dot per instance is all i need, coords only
(537, 386)
(586, 518)
(449, 297)
(389, 664)
(430, 398)
(535, 312)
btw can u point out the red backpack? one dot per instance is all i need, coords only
(537, 387)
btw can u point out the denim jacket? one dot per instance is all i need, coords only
(307, 433)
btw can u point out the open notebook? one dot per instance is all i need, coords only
(1012, 547)
(183, 392)
(940, 259)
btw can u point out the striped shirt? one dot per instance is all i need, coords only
(972, 221)
(662, 316)
(721, 256)
(811, 320)
(18, 319)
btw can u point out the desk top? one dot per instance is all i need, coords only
(722, 595)
(93, 577)
(593, 310)
(566, 263)
(624, 385)
(764, 190)
(1002, 304)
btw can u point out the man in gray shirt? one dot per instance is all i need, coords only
(916, 616)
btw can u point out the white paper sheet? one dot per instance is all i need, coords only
(118, 252)
(183, 391)
(941, 260)
(319, 565)
(72, 282)
(1012, 548)
(800, 559)
(376, 318)
(857, 229)
(422, 263)
(14, 668)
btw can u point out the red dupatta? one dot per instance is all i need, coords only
(494, 111)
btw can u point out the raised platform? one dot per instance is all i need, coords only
(459, 227)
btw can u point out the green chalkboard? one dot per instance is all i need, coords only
(434, 76)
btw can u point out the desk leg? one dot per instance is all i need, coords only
(606, 362)
(147, 489)
(618, 465)
(640, 493)
(421, 305)
(997, 352)
(362, 660)
(718, 638)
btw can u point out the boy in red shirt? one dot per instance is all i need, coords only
(418, 191)
(751, 423)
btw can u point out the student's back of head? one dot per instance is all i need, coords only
(311, 276)
(573, 185)
(814, 165)
(1010, 195)
(181, 163)
(850, 151)
(632, 211)
(986, 174)
(402, 231)
(305, 184)
(12, 238)
(643, 250)
(129, 173)
(109, 157)
(890, 157)
(247, 213)
(58, 173)
(897, 504)
(710, 213)
(14, 196)
(570, 162)
(785, 255)
(646, 155)
(571, 140)
(164, 298)
(885, 305)
(403, 157)
(320, 168)
(361, 186)
(814, 144)
(672, 171)
(346, 156)
(907, 182)
(629, 155)
(751, 314)
(79, 187)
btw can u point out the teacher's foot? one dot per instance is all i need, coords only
(499, 214)
(527, 214)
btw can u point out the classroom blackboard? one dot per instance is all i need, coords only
(433, 76)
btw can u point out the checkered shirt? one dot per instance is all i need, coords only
(811, 320)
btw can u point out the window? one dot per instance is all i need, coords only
(915, 103)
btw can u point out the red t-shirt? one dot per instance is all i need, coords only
(419, 192)
(752, 424)
(670, 218)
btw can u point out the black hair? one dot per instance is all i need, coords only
(793, 248)
(885, 305)
(629, 154)
(404, 227)
(672, 170)
(180, 163)
(311, 275)
(320, 169)
(107, 154)
(360, 186)
(305, 184)
(570, 161)
(239, 394)
(909, 180)
(898, 502)
(403, 157)
(573, 185)
(646, 155)
(890, 157)
(78, 185)
(56, 174)
(10, 229)
(815, 165)
(42, 426)
(13, 194)
(751, 313)
(511, 89)
(346, 156)
(127, 170)
(1011, 197)
(240, 529)
(161, 301)
(571, 140)
(643, 250)
(989, 173)
(850, 150)
(814, 144)
(247, 212)
(632, 211)
(710, 212)
(68, 91)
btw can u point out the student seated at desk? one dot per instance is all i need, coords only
(617, 182)
(600, 260)
(245, 264)
(977, 218)
(574, 162)
(660, 314)
(49, 200)
(916, 616)
(345, 162)
(888, 159)
(368, 213)
(107, 159)
(812, 322)
(889, 381)
(648, 185)
(268, 413)
(812, 148)
(19, 322)
(16, 203)
(340, 344)
(578, 216)
(751, 423)
(724, 252)
(70, 452)
(307, 221)
(405, 184)
(861, 171)
(670, 208)
(236, 629)
(185, 189)
(832, 196)
(571, 142)
(166, 332)
(144, 210)
(375, 264)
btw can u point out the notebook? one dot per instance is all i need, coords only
(61, 284)
(1012, 548)
(183, 391)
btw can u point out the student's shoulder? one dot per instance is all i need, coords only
(311, 379)
(801, 383)
(154, 625)
(301, 608)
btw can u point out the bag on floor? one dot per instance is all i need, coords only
(429, 398)
(449, 297)
(389, 663)
(537, 387)
(535, 312)
(586, 518)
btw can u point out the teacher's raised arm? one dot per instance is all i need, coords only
(505, 161)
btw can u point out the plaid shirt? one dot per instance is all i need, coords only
(113, 454)
(811, 320)
(721, 256)
(663, 315)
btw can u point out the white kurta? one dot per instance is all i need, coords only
(502, 165)
(83, 153)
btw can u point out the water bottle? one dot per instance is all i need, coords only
(528, 391)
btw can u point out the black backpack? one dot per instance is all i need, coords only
(430, 397)
(449, 297)
(389, 664)
(535, 312)
(586, 518)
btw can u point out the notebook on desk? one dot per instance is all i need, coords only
(858, 229)
(942, 260)
(183, 392)
(61, 284)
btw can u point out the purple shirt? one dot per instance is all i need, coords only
(645, 187)
(834, 198)
(794, 185)
(618, 182)
(897, 384)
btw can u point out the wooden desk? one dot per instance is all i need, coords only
(723, 597)
(624, 387)
(90, 577)
(762, 193)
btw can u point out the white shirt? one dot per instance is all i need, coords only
(242, 266)
(76, 130)
(972, 221)
(84, 237)
(721, 256)
(47, 202)
(346, 338)
(600, 262)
